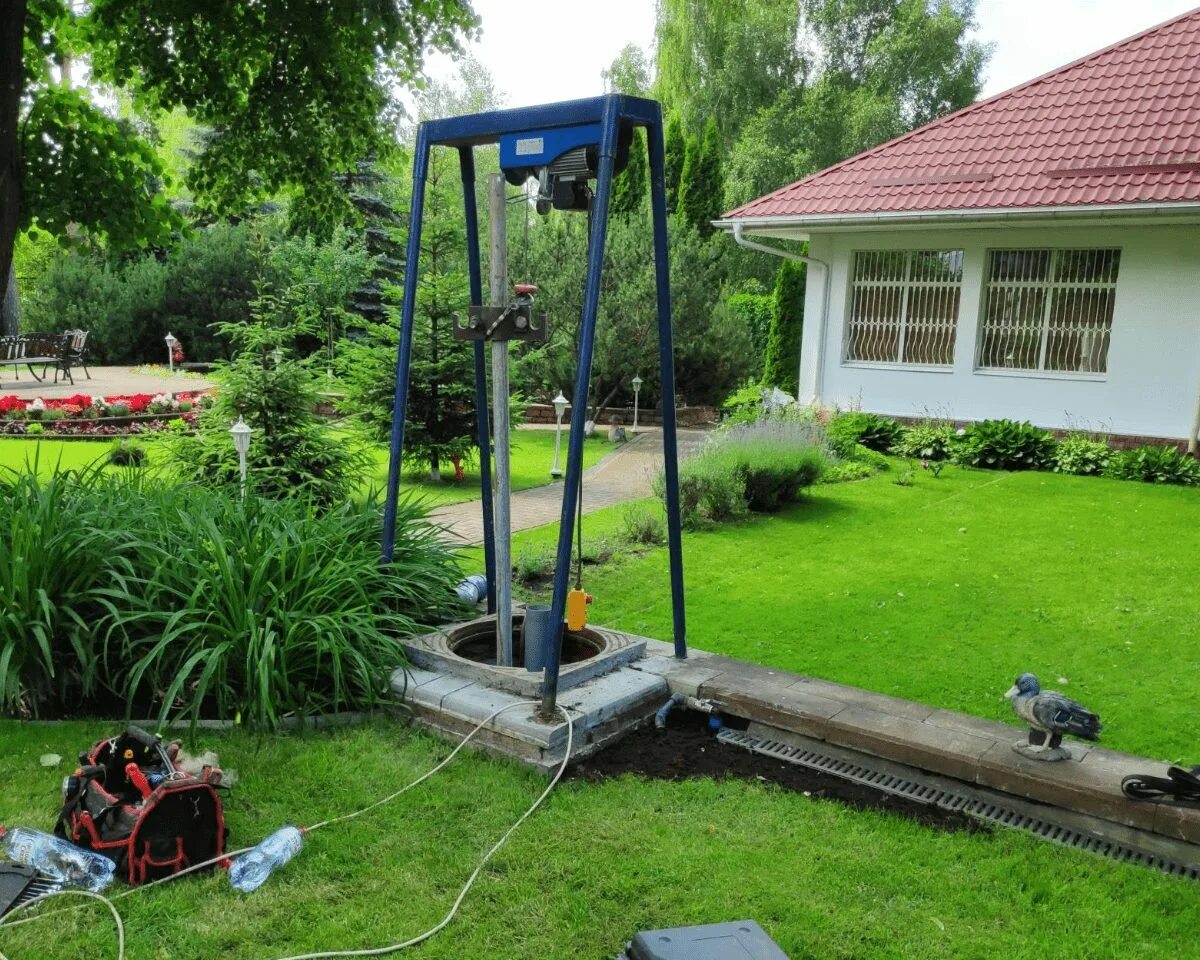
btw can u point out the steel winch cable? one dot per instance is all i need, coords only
(7, 921)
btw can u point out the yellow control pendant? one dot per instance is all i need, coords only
(577, 601)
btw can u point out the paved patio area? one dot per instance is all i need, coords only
(105, 382)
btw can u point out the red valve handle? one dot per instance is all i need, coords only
(138, 779)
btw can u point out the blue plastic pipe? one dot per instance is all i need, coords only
(466, 159)
(404, 353)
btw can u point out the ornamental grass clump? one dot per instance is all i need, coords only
(55, 555)
(121, 592)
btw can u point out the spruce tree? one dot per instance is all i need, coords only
(629, 187)
(702, 189)
(675, 152)
(782, 365)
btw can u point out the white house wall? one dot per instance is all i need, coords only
(1153, 377)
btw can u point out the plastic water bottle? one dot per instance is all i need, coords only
(250, 870)
(59, 859)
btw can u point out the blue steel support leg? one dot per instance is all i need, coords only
(404, 353)
(591, 306)
(666, 354)
(466, 158)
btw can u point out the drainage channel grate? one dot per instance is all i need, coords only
(982, 809)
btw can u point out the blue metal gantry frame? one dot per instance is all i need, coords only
(611, 112)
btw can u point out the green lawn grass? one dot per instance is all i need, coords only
(532, 453)
(944, 591)
(596, 864)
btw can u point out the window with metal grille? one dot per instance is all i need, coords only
(1049, 310)
(904, 306)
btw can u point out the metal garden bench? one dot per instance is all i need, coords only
(43, 350)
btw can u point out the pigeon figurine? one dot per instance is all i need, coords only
(1049, 715)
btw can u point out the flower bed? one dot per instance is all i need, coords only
(84, 415)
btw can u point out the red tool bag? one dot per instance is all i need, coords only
(130, 801)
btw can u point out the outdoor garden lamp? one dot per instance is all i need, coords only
(171, 341)
(240, 432)
(560, 407)
(637, 387)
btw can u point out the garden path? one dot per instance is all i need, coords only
(626, 474)
(105, 382)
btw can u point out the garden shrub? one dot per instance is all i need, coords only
(926, 441)
(1005, 445)
(1155, 465)
(1081, 455)
(846, 470)
(708, 491)
(194, 603)
(642, 525)
(760, 466)
(872, 458)
(534, 563)
(743, 405)
(126, 453)
(846, 430)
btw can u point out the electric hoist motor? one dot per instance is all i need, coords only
(562, 160)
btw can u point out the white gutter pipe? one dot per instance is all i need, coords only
(822, 318)
(1192, 437)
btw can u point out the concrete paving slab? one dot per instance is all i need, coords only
(1093, 786)
(614, 694)
(1177, 822)
(476, 702)
(853, 696)
(433, 692)
(779, 704)
(918, 744)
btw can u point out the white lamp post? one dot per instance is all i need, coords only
(171, 341)
(241, 443)
(637, 386)
(560, 407)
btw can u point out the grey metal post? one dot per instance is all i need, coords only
(498, 294)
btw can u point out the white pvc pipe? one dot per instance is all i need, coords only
(822, 317)
(1192, 437)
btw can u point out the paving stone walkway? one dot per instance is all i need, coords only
(626, 474)
(104, 382)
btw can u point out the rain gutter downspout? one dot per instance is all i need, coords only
(1192, 437)
(822, 318)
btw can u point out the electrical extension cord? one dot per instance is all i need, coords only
(8, 921)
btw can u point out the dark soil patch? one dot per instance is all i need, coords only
(688, 750)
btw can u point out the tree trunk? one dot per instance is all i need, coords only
(10, 305)
(12, 80)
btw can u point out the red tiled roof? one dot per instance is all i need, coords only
(1121, 126)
